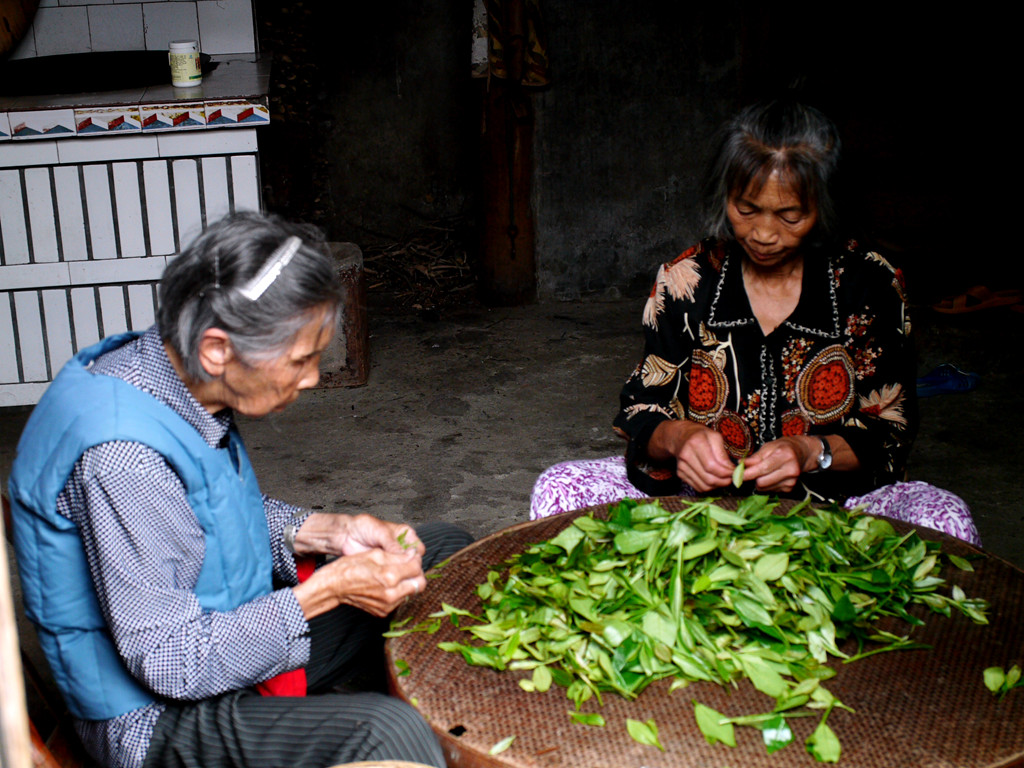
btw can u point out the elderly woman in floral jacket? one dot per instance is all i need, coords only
(773, 343)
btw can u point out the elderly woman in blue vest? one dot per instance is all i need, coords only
(164, 586)
(775, 342)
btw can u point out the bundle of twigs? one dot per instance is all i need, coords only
(428, 270)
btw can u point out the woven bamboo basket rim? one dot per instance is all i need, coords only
(913, 708)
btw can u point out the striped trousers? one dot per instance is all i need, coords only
(325, 728)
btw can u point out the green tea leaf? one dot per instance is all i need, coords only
(501, 746)
(844, 609)
(542, 679)
(763, 676)
(632, 541)
(715, 726)
(645, 733)
(1013, 676)
(751, 612)
(771, 567)
(698, 548)
(994, 678)
(725, 516)
(823, 744)
(588, 718)
(403, 667)
(569, 538)
(962, 563)
(737, 474)
(776, 734)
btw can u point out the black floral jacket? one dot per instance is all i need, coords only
(842, 363)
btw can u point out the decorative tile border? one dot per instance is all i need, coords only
(42, 124)
(180, 116)
(147, 118)
(228, 113)
(105, 121)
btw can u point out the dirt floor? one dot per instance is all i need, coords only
(463, 410)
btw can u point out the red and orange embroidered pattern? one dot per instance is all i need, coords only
(735, 433)
(708, 388)
(825, 387)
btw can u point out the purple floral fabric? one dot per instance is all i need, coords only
(575, 484)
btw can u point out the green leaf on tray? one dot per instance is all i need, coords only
(594, 719)
(1000, 681)
(994, 678)
(776, 734)
(823, 744)
(541, 678)
(403, 667)
(708, 594)
(715, 726)
(960, 562)
(501, 746)
(644, 733)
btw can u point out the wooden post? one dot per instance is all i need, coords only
(507, 274)
(14, 726)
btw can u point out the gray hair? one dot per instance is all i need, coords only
(795, 140)
(202, 288)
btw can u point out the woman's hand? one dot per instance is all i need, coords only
(378, 564)
(330, 534)
(699, 452)
(777, 465)
(373, 580)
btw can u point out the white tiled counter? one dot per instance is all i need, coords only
(97, 192)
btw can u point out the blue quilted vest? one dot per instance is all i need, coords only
(78, 411)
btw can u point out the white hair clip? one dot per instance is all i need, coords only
(265, 278)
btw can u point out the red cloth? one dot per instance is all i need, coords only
(291, 683)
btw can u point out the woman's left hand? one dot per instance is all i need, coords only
(777, 465)
(335, 534)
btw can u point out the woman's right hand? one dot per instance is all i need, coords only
(699, 452)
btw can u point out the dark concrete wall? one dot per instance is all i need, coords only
(621, 133)
(403, 114)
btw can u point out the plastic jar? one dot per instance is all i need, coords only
(183, 56)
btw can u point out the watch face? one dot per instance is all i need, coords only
(825, 457)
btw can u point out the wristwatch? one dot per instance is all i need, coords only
(825, 457)
(291, 528)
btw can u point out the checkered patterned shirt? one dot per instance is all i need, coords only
(145, 548)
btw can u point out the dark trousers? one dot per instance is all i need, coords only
(323, 729)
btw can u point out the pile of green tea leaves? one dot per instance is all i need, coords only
(707, 594)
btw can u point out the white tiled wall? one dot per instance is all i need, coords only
(79, 26)
(117, 28)
(84, 242)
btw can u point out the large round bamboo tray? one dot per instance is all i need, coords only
(920, 708)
